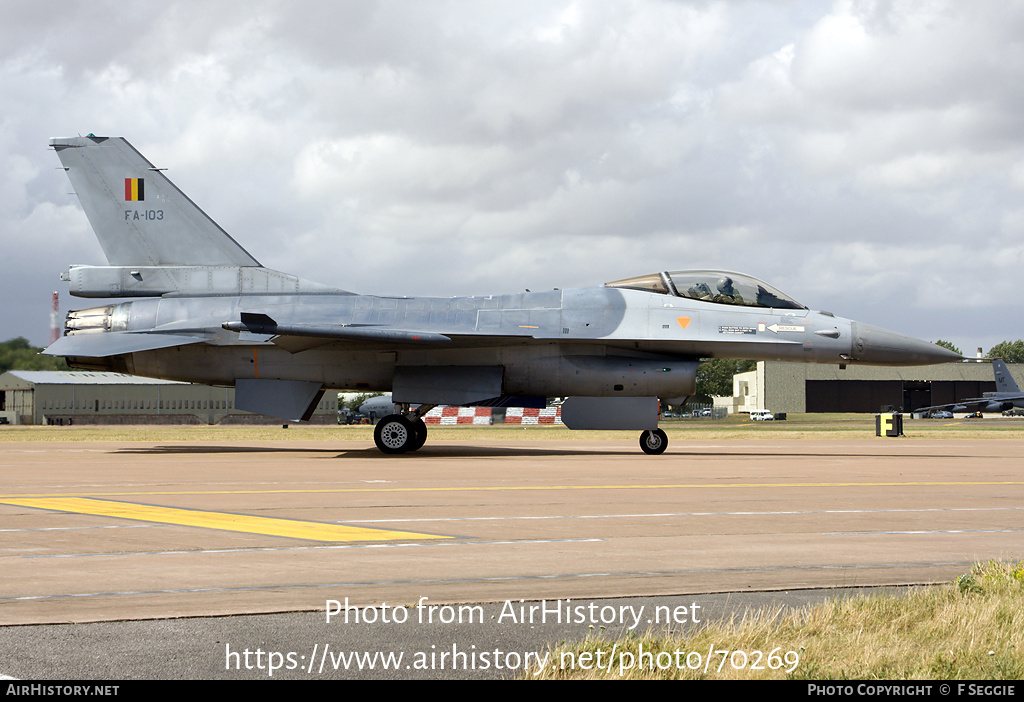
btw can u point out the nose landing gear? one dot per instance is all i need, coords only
(653, 442)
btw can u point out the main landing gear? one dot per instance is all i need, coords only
(406, 432)
(402, 433)
(653, 442)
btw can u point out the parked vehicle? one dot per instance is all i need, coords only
(353, 418)
(761, 416)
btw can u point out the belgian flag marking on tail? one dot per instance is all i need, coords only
(134, 189)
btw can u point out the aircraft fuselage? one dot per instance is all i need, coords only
(587, 341)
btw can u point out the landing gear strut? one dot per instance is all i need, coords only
(653, 442)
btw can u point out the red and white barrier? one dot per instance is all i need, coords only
(533, 415)
(458, 415)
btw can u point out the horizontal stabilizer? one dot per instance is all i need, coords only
(101, 345)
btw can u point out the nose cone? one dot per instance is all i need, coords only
(881, 347)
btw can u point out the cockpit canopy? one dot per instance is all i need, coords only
(722, 287)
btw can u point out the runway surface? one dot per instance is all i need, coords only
(114, 531)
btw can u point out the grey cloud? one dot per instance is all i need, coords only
(482, 147)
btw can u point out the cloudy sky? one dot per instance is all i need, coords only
(865, 157)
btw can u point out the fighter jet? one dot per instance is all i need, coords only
(204, 310)
(1007, 395)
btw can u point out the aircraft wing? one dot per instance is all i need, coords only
(100, 345)
(974, 404)
(965, 404)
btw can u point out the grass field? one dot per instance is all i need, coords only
(967, 630)
(818, 426)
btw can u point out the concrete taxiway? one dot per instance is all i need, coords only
(132, 530)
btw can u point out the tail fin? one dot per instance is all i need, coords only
(138, 215)
(1004, 381)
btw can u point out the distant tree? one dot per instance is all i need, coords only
(949, 345)
(714, 378)
(18, 354)
(1011, 352)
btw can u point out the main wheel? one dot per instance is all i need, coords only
(395, 434)
(654, 442)
(419, 434)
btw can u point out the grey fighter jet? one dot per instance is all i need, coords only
(1006, 396)
(204, 310)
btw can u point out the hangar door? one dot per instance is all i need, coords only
(872, 395)
(852, 395)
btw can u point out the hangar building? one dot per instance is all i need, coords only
(810, 387)
(88, 397)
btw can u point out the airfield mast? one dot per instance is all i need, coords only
(54, 318)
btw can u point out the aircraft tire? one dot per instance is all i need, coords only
(653, 442)
(419, 435)
(395, 434)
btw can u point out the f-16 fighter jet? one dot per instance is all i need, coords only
(204, 310)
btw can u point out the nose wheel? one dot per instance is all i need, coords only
(653, 442)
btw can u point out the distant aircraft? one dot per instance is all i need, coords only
(1006, 396)
(377, 407)
(216, 316)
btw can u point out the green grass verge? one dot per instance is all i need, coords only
(968, 629)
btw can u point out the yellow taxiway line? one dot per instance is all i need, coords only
(288, 528)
